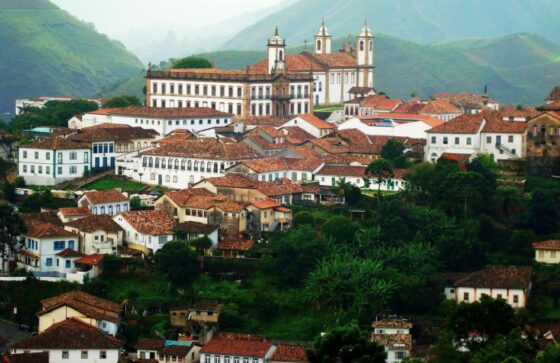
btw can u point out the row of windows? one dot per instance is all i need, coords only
(466, 297)
(457, 140)
(73, 155)
(209, 167)
(231, 108)
(196, 90)
(266, 110)
(551, 253)
(109, 209)
(102, 148)
(276, 176)
(49, 262)
(264, 92)
(32, 244)
(349, 78)
(72, 169)
(84, 354)
(218, 359)
(61, 245)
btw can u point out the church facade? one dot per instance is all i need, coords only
(278, 86)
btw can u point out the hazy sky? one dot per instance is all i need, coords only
(115, 17)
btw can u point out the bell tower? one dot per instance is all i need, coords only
(365, 56)
(323, 40)
(276, 53)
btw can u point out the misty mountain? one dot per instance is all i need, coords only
(47, 52)
(518, 68)
(422, 21)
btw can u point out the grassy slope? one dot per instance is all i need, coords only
(519, 68)
(45, 51)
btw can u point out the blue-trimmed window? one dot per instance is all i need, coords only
(68, 264)
(59, 245)
(49, 261)
(71, 244)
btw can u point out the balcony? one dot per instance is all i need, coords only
(281, 97)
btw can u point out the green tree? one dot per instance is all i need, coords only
(509, 348)
(346, 344)
(12, 227)
(340, 229)
(421, 183)
(382, 170)
(20, 182)
(122, 101)
(464, 191)
(192, 62)
(178, 262)
(135, 203)
(9, 191)
(303, 218)
(393, 151)
(55, 113)
(551, 354)
(31, 204)
(201, 244)
(543, 215)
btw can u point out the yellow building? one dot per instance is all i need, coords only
(547, 252)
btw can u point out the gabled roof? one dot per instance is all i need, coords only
(39, 226)
(74, 211)
(56, 143)
(182, 197)
(70, 253)
(105, 196)
(150, 222)
(92, 260)
(498, 277)
(316, 121)
(289, 353)
(235, 244)
(160, 112)
(281, 163)
(205, 149)
(506, 127)
(237, 347)
(394, 341)
(464, 124)
(392, 324)
(266, 204)
(92, 223)
(70, 334)
(550, 245)
(343, 171)
(87, 304)
(554, 94)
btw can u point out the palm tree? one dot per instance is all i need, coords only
(382, 170)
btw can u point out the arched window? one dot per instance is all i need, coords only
(361, 45)
(102, 209)
(157, 163)
(150, 162)
(139, 145)
(144, 161)
(209, 167)
(280, 55)
(145, 144)
(318, 45)
(163, 163)
(196, 165)
(370, 44)
(176, 164)
(183, 164)
(222, 166)
(202, 166)
(170, 164)
(215, 167)
(189, 165)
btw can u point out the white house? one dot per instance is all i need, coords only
(146, 231)
(547, 252)
(370, 105)
(511, 283)
(238, 348)
(72, 341)
(412, 126)
(485, 132)
(89, 309)
(98, 234)
(394, 335)
(163, 120)
(332, 175)
(53, 160)
(109, 202)
(167, 351)
(72, 213)
(276, 168)
(311, 124)
(179, 165)
(44, 239)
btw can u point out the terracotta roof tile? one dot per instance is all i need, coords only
(289, 353)
(70, 334)
(74, 211)
(266, 204)
(237, 347)
(336, 60)
(90, 305)
(206, 149)
(195, 228)
(105, 196)
(150, 222)
(150, 344)
(280, 164)
(230, 243)
(40, 229)
(316, 121)
(42, 357)
(507, 127)
(394, 341)
(464, 124)
(553, 245)
(261, 120)
(392, 324)
(92, 223)
(167, 112)
(70, 253)
(343, 171)
(93, 259)
(505, 277)
(182, 197)
(56, 143)
(295, 135)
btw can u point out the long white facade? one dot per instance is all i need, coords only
(40, 166)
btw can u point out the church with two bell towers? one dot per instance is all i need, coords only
(279, 86)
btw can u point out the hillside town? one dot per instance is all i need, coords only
(280, 213)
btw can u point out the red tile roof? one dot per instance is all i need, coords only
(392, 324)
(40, 229)
(394, 341)
(70, 253)
(289, 353)
(230, 243)
(158, 112)
(70, 334)
(90, 305)
(498, 277)
(57, 143)
(343, 171)
(206, 149)
(336, 60)
(280, 164)
(105, 196)
(406, 117)
(150, 222)
(316, 121)
(237, 347)
(553, 245)
(464, 124)
(266, 204)
(92, 260)
(92, 223)
(74, 211)
(182, 197)
(507, 127)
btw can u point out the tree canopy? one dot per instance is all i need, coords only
(55, 113)
(122, 101)
(192, 62)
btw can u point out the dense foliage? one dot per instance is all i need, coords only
(55, 113)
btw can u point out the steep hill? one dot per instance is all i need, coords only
(518, 68)
(45, 51)
(422, 21)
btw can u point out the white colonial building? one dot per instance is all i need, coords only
(146, 231)
(179, 165)
(311, 124)
(164, 120)
(53, 160)
(237, 348)
(98, 234)
(332, 175)
(108, 202)
(547, 252)
(412, 126)
(394, 335)
(469, 135)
